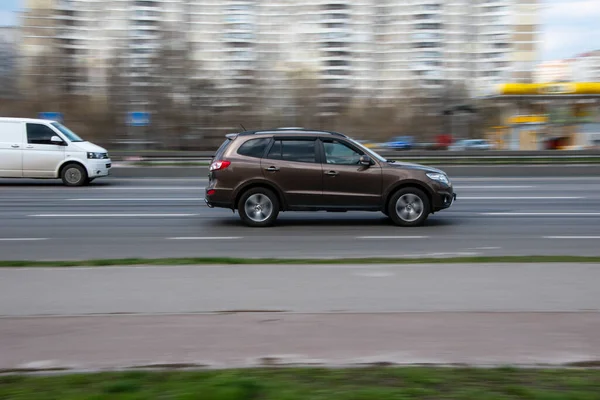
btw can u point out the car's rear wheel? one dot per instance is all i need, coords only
(258, 207)
(74, 175)
(409, 207)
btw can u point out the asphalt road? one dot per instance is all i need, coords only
(123, 218)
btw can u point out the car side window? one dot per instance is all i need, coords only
(254, 148)
(294, 150)
(39, 134)
(340, 154)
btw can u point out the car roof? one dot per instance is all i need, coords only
(32, 120)
(291, 131)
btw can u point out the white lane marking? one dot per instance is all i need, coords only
(541, 214)
(206, 238)
(134, 188)
(108, 215)
(494, 187)
(374, 274)
(573, 237)
(525, 179)
(22, 239)
(390, 237)
(523, 198)
(167, 180)
(143, 199)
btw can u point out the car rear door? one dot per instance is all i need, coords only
(292, 164)
(11, 149)
(347, 183)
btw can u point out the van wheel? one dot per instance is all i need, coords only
(258, 207)
(409, 207)
(74, 175)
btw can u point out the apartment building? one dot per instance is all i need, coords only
(332, 50)
(554, 71)
(586, 67)
(583, 67)
(8, 61)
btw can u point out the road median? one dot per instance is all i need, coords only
(296, 261)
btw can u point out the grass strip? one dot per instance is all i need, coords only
(282, 261)
(373, 383)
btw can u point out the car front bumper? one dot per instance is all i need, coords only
(443, 199)
(98, 168)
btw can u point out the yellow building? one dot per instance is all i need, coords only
(548, 116)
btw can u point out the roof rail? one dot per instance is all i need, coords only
(283, 131)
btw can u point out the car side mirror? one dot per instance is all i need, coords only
(57, 140)
(365, 160)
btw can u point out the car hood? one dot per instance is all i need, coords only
(407, 165)
(88, 147)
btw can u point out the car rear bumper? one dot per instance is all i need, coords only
(217, 198)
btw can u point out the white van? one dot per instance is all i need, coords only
(37, 148)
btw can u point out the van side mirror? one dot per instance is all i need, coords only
(57, 140)
(365, 160)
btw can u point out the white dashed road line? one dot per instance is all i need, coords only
(390, 237)
(206, 238)
(110, 215)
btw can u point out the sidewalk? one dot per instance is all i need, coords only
(251, 339)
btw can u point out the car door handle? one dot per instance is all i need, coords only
(272, 169)
(15, 146)
(331, 173)
(30, 147)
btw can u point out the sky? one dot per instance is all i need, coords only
(569, 27)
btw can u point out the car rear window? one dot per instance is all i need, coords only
(293, 150)
(254, 148)
(222, 148)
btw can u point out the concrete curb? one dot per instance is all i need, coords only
(469, 171)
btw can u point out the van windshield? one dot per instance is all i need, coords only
(72, 136)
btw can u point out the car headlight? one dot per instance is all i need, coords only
(95, 156)
(439, 177)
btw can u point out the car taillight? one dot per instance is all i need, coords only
(219, 165)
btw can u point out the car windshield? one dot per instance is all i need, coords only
(72, 136)
(369, 151)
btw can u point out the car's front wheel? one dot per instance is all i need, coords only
(409, 207)
(258, 207)
(74, 175)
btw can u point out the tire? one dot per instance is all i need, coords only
(252, 200)
(409, 207)
(74, 175)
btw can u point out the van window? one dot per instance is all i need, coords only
(39, 134)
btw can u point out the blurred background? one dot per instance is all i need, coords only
(397, 74)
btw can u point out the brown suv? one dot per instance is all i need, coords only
(261, 173)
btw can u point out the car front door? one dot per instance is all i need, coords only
(347, 183)
(292, 165)
(41, 157)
